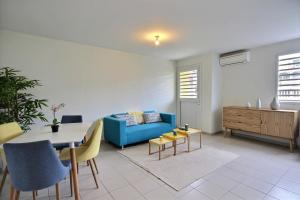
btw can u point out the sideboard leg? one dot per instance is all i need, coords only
(291, 145)
(295, 144)
(225, 132)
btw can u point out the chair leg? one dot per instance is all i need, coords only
(3, 179)
(17, 195)
(77, 168)
(96, 165)
(12, 193)
(33, 195)
(94, 175)
(57, 191)
(71, 183)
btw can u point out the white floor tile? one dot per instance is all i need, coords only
(212, 190)
(194, 195)
(258, 184)
(248, 193)
(146, 185)
(283, 194)
(230, 196)
(126, 193)
(159, 193)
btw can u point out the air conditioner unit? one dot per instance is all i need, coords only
(235, 57)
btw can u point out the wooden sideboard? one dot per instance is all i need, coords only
(274, 123)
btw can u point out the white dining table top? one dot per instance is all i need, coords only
(68, 133)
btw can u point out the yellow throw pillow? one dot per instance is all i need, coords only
(138, 116)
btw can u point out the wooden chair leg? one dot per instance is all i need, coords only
(77, 168)
(12, 193)
(96, 165)
(3, 179)
(71, 183)
(17, 195)
(57, 191)
(33, 195)
(94, 175)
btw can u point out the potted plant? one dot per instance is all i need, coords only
(55, 122)
(16, 101)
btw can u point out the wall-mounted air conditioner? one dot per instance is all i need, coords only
(235, 57)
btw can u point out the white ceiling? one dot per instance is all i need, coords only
(200, 26)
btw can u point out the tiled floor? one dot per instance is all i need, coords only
(262, 171)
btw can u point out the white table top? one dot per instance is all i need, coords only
(68, 133)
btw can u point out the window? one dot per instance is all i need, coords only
(289, 78)
(188, 81)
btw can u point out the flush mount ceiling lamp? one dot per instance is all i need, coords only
(156, 42)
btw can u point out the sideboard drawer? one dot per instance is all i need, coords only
(242, 126)
(250, 117)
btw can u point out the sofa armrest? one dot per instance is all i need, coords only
(169, 118)
(114, 131)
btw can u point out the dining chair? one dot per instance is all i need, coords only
(88, 151)
(67, 119)
(33, 166)
(8, 131)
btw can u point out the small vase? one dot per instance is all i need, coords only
(54, 128)
(258, 103)
(248, 105)
(275, 105)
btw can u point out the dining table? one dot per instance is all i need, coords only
(68, 133)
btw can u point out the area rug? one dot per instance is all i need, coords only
(181, 170)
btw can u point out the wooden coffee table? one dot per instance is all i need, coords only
(188, 134)
(161, 143)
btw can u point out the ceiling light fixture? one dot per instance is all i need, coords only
(156, 42)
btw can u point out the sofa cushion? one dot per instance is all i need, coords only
(130, 119)
(144, 132)
(152, 117)
(138, 117)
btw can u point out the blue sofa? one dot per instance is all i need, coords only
(116, 131)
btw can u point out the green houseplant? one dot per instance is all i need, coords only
(16, 102)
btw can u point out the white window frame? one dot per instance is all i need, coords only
(188, 68)
(277, 77)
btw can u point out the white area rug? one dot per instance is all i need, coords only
(183, 169)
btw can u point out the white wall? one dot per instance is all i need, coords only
(91, 81)
(246, 82)
(210, 90)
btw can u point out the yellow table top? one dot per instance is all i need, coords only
(173, 137)
(161, 141)
(189, 132)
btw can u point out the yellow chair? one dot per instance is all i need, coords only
(8, 131)
(89, 150)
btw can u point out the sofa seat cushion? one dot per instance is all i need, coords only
(144, 132)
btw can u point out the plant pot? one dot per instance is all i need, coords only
(54, 128)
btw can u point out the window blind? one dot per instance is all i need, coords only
(188, 81)
(289, 77)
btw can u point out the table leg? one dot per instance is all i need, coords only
(174, 144)
(159, 149)
(200, 141)
(189, 141)
(12, 193)
(74, 170)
